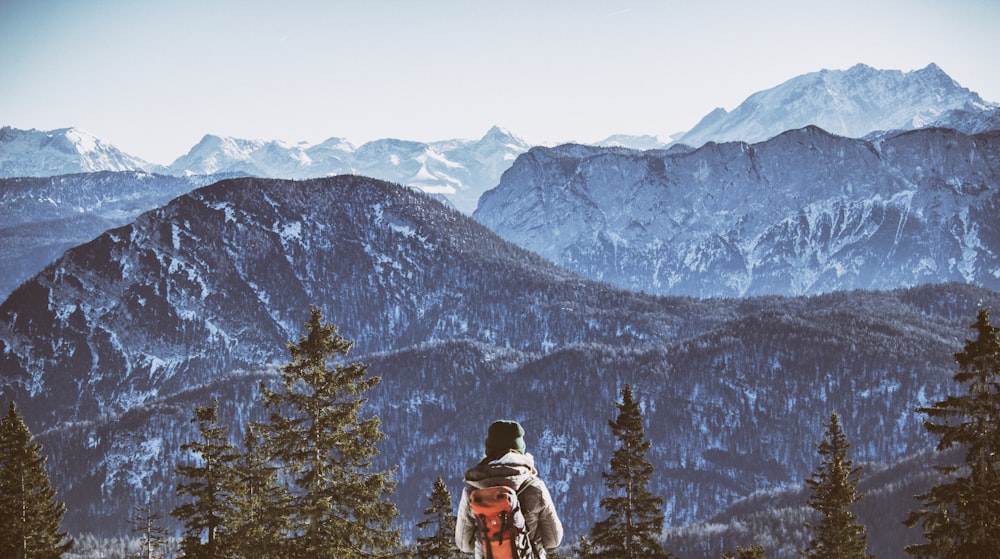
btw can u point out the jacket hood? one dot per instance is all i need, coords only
(511, 469)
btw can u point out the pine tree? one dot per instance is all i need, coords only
(260, 505)
(153, 536)
(340, 509)
(210, 485)
(441, 518)
(752, 552)
(961, 515)
(635, 515)
(583, 548)
(30, 515)
(839, 534)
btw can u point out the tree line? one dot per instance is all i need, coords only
(303, 485)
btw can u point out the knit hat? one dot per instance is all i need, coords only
(504, 435)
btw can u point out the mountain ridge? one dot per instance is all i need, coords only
(804, 212)
(852, 103)
(109, 349)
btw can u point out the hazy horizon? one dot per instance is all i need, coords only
(153, 78)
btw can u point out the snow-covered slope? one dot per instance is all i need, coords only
(108, 350)
(805, 212)
(42, 217)
(46, 153)
(852, 103)
(458, 170)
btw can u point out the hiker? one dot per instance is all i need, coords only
(507, 464)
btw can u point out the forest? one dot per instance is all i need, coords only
(305, 482)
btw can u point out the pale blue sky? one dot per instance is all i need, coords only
(152, 77)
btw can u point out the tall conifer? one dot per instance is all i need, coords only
(961, 515)
(210, 484)
(30, 515)
(340, 508)
(440, 518)
(259, 521)
(839, 534)
(635, 515)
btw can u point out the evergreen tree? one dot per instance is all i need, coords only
(441, 518)
(153, 536)
(834, 483)
(752, 552)
(961, 515)
(340, 509)
(583, 549)
(635, 515)
(260, 505)
(30, 515)
(210, 486)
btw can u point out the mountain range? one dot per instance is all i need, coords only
(457, 170)
(803, 213)
(853, 103)
(109, 349)
(143, 292)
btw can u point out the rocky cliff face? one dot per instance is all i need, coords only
(805, 212)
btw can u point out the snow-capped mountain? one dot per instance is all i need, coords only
(634, 142)
(41, 153)
(458, 170)
(108, 350)
(852, 103)
(805, 212)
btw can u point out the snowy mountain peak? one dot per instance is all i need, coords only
(851, 103)
(41, 153)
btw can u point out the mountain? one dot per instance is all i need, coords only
(42, 217)
(38, 153)
(458, 170)
(214, 154)
(852, 103)
(803, 213)
(108, 350)
(634, 142)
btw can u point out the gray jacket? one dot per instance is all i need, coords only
(513, 470)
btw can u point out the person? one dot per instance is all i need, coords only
(508, 463)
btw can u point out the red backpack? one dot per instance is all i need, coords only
(500, 523)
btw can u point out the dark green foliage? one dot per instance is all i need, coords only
(440, 518)
(339, 507)
(752, 552)
(635, 517)
(30, 515)
(961, 515)
(260, 506)
(839, 534)
(210, 485)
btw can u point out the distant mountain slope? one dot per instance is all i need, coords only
(459, 170)
(42, 217)
(805, 212)
(38, 153)
(108, 350)
(851, 103)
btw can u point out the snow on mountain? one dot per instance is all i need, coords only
(634, 142)
(108, 350)
(45, 153)
(41, 217)
(458, 170)
(805, 212)
(852, 103)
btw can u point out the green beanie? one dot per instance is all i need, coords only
(504, 435)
